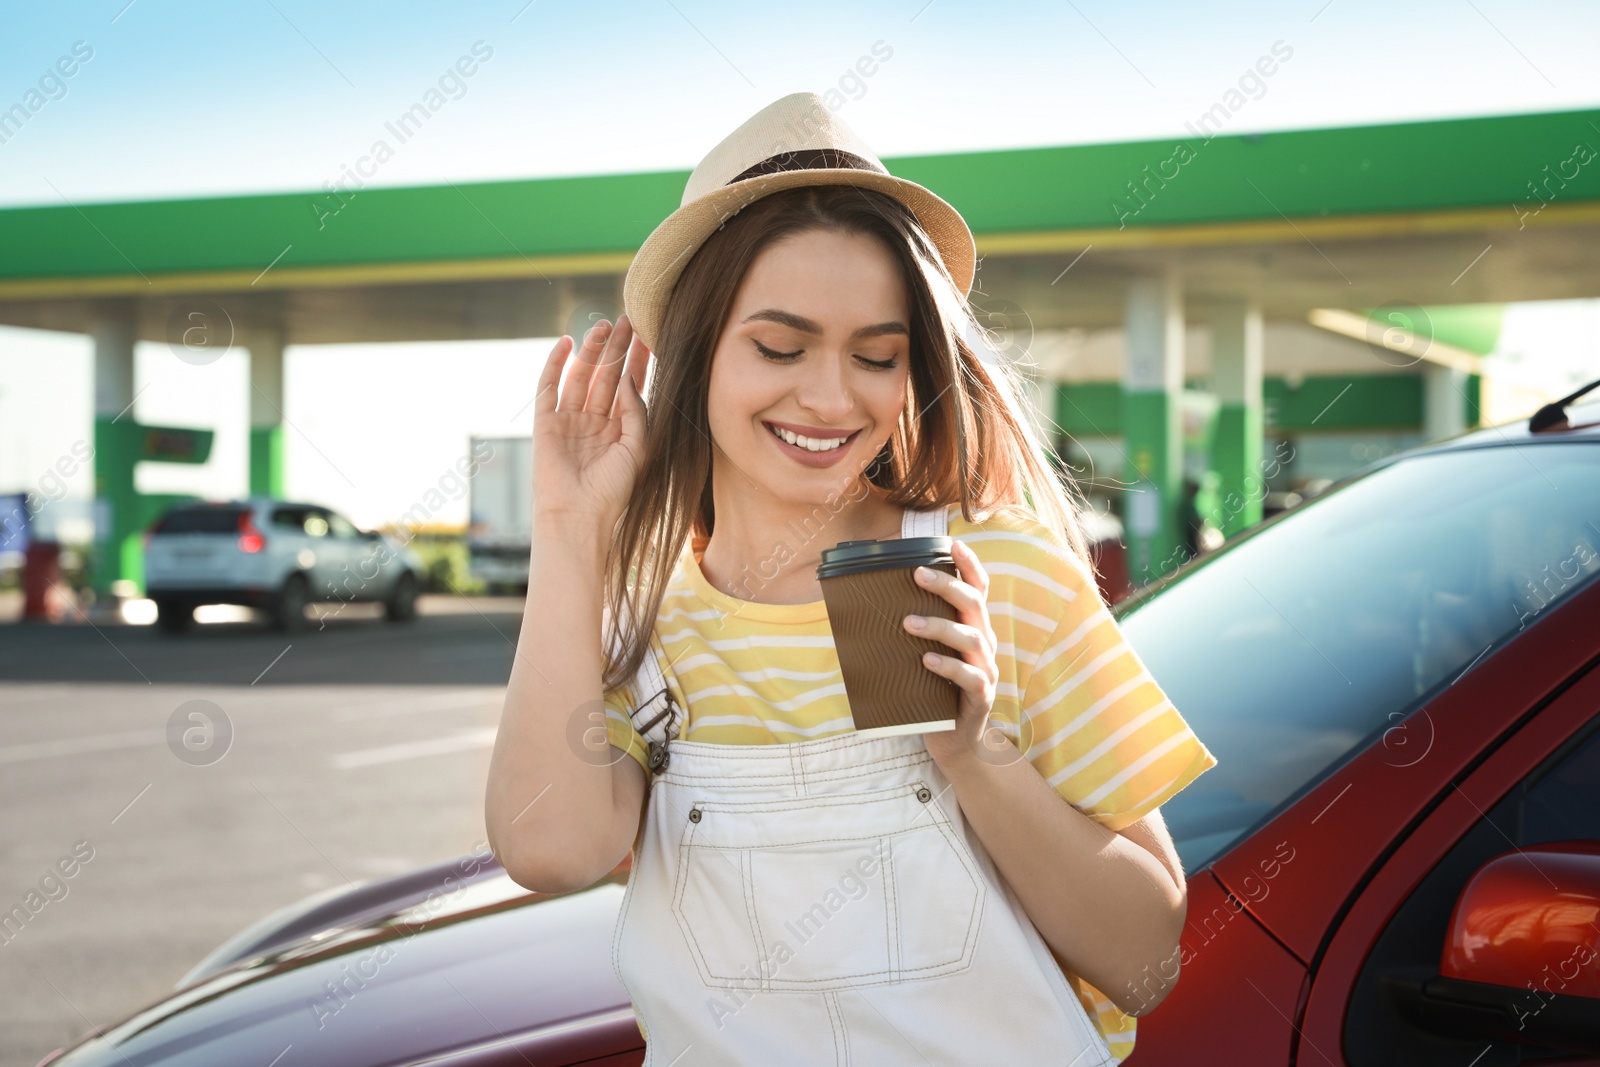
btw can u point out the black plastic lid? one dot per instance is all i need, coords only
(849, 557)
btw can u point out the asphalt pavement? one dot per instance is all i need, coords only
(193, 784)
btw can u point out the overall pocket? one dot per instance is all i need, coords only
(827, 893)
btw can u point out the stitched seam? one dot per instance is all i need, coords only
(681, 880)
(892, 912)
(748, 877)
(815, 841)
(896, 971)
(980, 887)
(616, 945)
(616, 940)
(841, 1042)
(903, 791)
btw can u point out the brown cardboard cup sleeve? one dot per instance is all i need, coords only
(869, 588)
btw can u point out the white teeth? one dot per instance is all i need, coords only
(807, 443)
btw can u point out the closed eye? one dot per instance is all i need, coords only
(784, 357)
(780, 356)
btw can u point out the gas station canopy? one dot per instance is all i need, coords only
(1483, 210)
(1300, 254)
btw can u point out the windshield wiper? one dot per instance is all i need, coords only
(1553, 416)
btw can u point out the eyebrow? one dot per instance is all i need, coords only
(805, 325)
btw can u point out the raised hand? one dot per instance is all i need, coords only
(588, 434)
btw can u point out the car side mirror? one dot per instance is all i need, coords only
(1521, 959)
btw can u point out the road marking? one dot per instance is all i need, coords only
(466, 700)
(71, 746)
(461, 742)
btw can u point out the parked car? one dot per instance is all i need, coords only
(1396, 861)
(275, 555)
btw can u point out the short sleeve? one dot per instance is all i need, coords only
(620, 730)
(1098, 727)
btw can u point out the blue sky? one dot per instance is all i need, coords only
(183, 98)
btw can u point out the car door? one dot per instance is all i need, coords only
(367, 570)
(317, 554)
(292, 545)
(1380, 994)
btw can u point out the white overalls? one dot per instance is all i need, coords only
(825, 902)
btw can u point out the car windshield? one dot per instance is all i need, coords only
(201, 520)
(1289, 649)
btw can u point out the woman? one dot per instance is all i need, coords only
(799, 893)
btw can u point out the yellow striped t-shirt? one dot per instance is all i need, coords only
(1072, 693)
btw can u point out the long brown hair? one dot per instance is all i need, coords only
(963, 437)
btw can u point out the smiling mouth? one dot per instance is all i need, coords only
(812, 444)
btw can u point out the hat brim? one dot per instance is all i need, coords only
(661, 259)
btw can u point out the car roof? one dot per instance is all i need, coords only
(1518, 432)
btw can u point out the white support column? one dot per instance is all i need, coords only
(1236, 362)
(1152, 430)
(267, 473)
(1444, 401)
(114, 335)
(118, 566)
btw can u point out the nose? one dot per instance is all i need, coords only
(825, 392)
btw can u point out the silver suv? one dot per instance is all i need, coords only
(274, 555)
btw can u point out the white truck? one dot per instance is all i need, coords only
(500, 513)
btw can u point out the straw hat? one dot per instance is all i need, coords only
(793, 141)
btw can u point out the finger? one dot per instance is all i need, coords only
(603, 390)
(550, 377)
(966, 599)
(957, 635)
(971, 604)
(959, 671)
(970, 567)
(639, 357)
(581, 370)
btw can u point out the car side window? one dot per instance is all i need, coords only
(1558, 801)
(290, 519)
(316, 522)
(342, 527)
(1564, 804)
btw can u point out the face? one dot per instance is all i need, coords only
(818, 346)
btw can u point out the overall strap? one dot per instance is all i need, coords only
(934, 522)
(658, 717)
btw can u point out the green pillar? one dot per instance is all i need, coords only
(1152, 430)
(119, 555)
(266, 461)
(1236, 360)
(266, 413)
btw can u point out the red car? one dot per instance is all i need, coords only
(1396, 861)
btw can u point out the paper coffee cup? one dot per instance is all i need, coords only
(869, 588)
